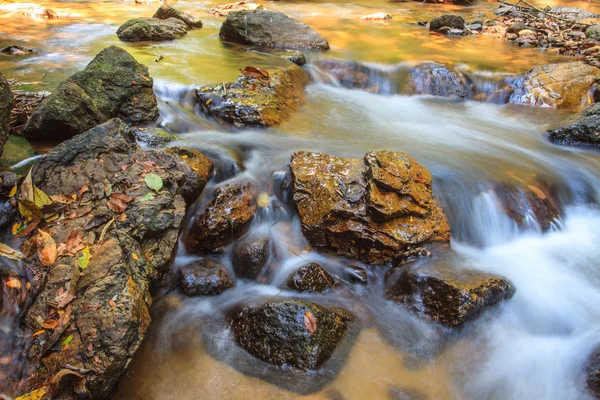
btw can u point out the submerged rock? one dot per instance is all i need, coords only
(166, 12)
(293, 333)
(16, 50)
(437, 80)
(295, 56)
(225, 9)
(153, 136)
(356, 75)
(312, 278)
(270, 29)
(445, 295)
(378, 209)
(112, 245)
(564, 85)
(581, 130)
(524, 203)
(450, 21)
(152, 29)
(112, 85)
(250, 256)
(226, 218)
(379, 16)
(205, 277)
(6, 104)
(259, 97)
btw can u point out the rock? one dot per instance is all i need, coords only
(355, 75)
(516, 27)
(153, 137)
(579, 130)
(312, 278)
(112, 85)
(511, 36)
(452, 21)
(445, 295)
(534, 200)
(205, 277)
(250, 256)
(526, 32)
(295, 56)
(379, 209)
(293, 333)
(270, 29)
(573, 13)
(225, 9)
(358, 275)
(15, 50)
(166, 12)
(151, 29)
(593, 374)
(259, 98)
(6, 105)
(564, 85)
(226, 218)
(593, 32)
(200, 166)
(437, 80)
(379, 16)
(130, 232)
(29, 10)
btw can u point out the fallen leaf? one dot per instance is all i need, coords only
(13, 191)
(310, 322)
(13, 283)
(46, 248)
(9, 252)
(50, 324)
(147, 197)
(538, 192)
(117, 205)
(38, 333)
(84, 260)
(83, 189)
(16, 227)
(67, 340)
(256, 73)
(135, 256)
(123, 197)
(154, 182)
(30, 227)
(29, 210)
(112, 303)
(62, 199)
(74, 240)
(28, 286)
(34, 395)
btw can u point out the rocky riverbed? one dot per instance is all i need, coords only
(306, 224)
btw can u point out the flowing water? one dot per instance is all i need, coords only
(534, 346)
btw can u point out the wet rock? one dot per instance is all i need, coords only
(437, 80)
(593, 374)
(153, 137)
(295, 56)
(204, 277)
(250, 256)
(15, 50)
(312, 278)
(6, 105)
(29, 10)
(294, 333)
(356, 75)
(258, 98)
(270, 29)
(532, 201)
(379, 16)
(225, 9)
(112, 85)
(564, 85)
(129, 233)
(572, 13)
(355, 274)
(445, 295)
(378, 209)
(579, 130)
(452, 21)
(152, 29)
(516, 27)
(8, 180)
(200, 167)
(593, 32)
(166, 12)
(226, 218)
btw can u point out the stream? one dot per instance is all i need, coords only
(534, 346)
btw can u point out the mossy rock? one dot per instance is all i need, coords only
(166, 12)
(6, 104)
(151, 29)
(153, 137)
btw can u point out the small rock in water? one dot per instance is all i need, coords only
(516, 27)
(580, 130)
(205, 277)
(250, 256)
(166, 12)
(224, 10)
(295, 56)
(406, 394)
(448, 21)
(593, 32)
(152, 29)
(379, 16)
(312, 278)
(16, 50)
(299, 334)
(445, 295)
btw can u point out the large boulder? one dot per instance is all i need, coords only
(378, 209)
(166, 12)
(6, 104)
(445, 295)
(293, 333)
(580, 130)
(205, 277)
(119, 213)
(225, 219)
(152, 29)
(270, 29)
(563, 85)
(259, 97)
(112, 85)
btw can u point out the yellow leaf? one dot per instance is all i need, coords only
(13, 283)
(135, 256)
(84, 260)
(16, 227)
(8, 252)
(185, 156)
(46, 248)
(35, 395)
(38, 333)
(13, 191)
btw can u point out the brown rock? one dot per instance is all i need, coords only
(166, 12)
(250, 256)
(226, 218)
(6, 105)
(200, 165)
(205, 277)
(379, 209)
(445, 295)
(312, 278)
(563, 85)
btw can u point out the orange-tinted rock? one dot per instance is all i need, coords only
(378, 209)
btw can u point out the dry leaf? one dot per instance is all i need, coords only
(310, 322)
(74, 240)
(117, 205)
(46, 248)
(9, 252)
(135, 256)
(256, 73)
(50, 324)
(13, 283)
(37, 394)
(112, 303)
(538, 192)
(38, 333)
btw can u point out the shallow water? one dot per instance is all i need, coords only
(532, 347)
